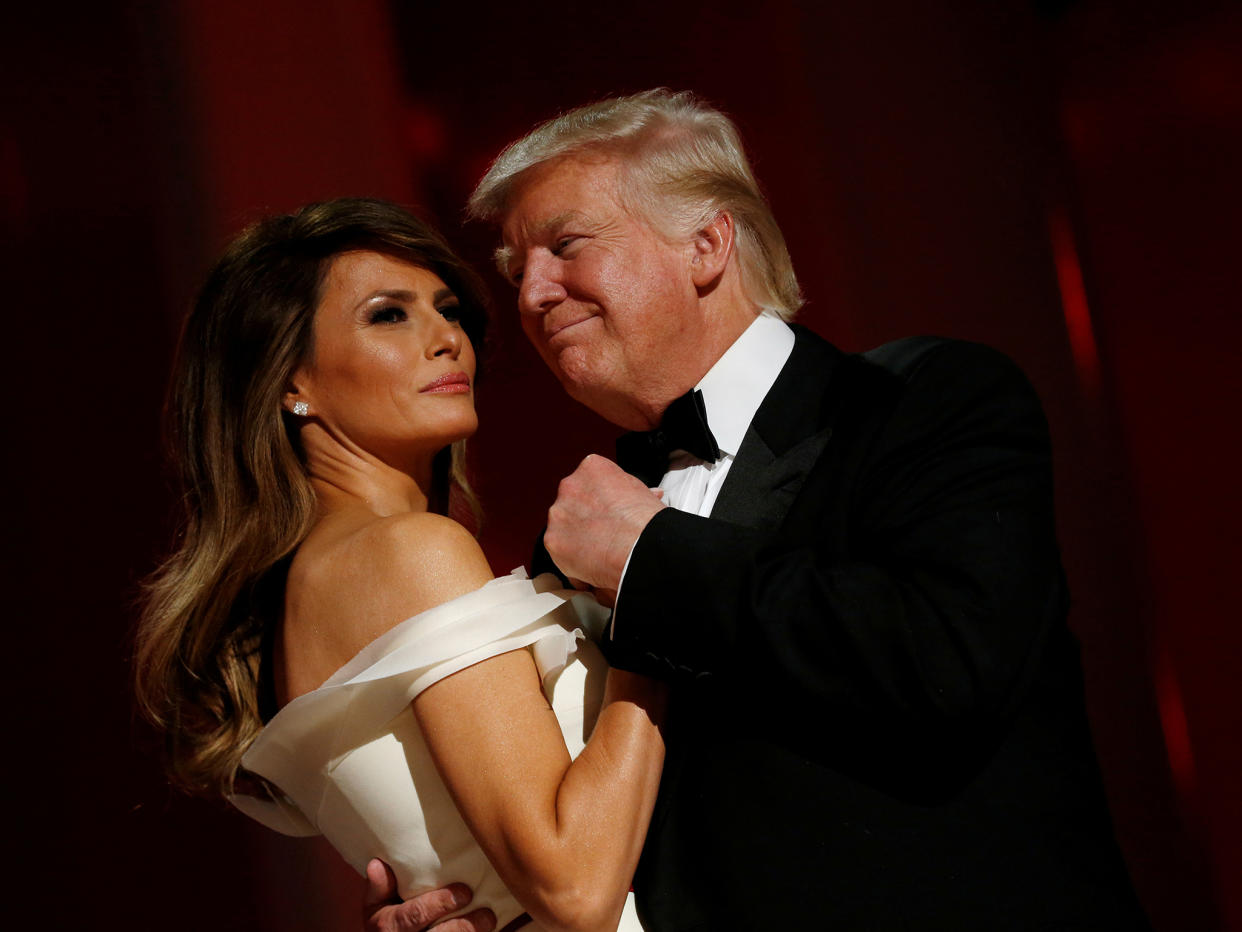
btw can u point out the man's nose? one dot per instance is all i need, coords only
(541, 288)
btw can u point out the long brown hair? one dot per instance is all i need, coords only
(246, 500)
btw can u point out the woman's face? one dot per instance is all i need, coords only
(392, 370)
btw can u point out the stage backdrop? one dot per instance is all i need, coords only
(1058, 179)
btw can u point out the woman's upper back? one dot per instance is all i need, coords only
(356, 576)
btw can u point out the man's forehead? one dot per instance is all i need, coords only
(559, 190)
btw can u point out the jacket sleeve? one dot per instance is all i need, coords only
(922, 598)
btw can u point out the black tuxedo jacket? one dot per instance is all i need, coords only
(877, 719)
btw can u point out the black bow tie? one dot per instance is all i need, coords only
(683, 427)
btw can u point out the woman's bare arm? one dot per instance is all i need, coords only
(564, 835)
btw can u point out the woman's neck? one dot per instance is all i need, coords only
(379, 494)
(344, 477)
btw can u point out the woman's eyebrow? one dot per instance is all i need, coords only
(396, 294)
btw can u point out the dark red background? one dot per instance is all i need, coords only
(1059, 179)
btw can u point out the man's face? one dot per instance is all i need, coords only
(606, 300)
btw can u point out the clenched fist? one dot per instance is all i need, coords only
(598, 514)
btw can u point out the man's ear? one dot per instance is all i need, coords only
(713, 245)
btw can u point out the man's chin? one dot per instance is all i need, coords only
(577, 375)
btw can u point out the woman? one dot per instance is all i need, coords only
(324, 389)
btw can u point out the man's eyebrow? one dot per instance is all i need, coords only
(502, 257)
(504, 254)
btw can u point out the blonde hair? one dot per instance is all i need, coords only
(685, 164)
(246, 500)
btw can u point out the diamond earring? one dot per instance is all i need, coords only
(301, 408)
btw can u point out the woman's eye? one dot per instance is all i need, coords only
(388, 315)
(451, 312)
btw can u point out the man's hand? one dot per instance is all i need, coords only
(383, 911)
(598, 514)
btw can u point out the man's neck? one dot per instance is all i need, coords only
(723, 331)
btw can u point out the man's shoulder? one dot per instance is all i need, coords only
(907, 356)
(903, 357)
(915, 370)
(931, 382)
(945, 368)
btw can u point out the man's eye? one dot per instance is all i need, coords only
(562, 244)
(388, 315)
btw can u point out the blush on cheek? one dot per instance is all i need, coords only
(387, 370)
(382, 356)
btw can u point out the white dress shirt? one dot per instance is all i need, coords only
(733, 389)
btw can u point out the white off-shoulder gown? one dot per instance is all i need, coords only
(351, 763)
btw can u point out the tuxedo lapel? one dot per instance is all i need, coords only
(761, 486)
(785, 439)
(742, 498)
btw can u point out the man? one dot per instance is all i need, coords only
(851, 577)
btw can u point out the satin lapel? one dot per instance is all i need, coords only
(785, 440)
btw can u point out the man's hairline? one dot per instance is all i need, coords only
(627, 199)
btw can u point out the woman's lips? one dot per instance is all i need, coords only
(451, 383)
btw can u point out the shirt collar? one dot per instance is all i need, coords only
(736, 385)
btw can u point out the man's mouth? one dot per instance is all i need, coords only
(561, 326)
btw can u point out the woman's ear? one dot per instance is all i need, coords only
(296, 400)
(296, 406)
(713, 245)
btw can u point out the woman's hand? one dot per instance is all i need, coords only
(383, 910)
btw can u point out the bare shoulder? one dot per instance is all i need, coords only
(350, 586)
(424, 559)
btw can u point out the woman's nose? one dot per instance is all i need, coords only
(446, 341)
